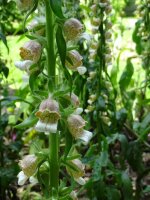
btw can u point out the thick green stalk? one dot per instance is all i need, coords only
(51, 61)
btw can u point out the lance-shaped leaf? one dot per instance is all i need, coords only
(56, 7)
(29, 122)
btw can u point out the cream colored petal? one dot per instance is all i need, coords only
(42, 127)
(82, 70)
(22, 178)
(80, 180)
(33, 180)
(86, 137)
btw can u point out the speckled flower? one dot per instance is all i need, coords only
(48, 115)
(76, 171)
(31, 50)
(72, 29)
(29, 166)
(76, 126)
(75, 58)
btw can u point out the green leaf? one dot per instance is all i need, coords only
(33, 77)
(126, 75)
(56, 6)
(136, 38)
(29, 122)
(68, 142)
(61, 44)
(113, 193)
(3, 38)
(126, 186)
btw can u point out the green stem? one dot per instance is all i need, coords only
(51, 58)
(51, 65)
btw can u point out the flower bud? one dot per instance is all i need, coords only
(92, 74)
(25, 4)
(31, 50)
(108, 9)
(108, 58)
(108, 35)
(94, 8)
(96, 21)
(29, 165)
(75, 58)
(72, 29)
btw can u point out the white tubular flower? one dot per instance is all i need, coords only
(29, 165)
(77, 172)
(31, 50)
(73, 195)
(82, 70)
(24, 65)
(48, 115)
(76, 127)
(72, 29)
(22, 178)
(25, 4)
(76, 60)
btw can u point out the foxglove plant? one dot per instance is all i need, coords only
(58, 113)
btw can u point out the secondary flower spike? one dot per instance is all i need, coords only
(48, 115)
(31, 50)
(72, 29)
(76, 127)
